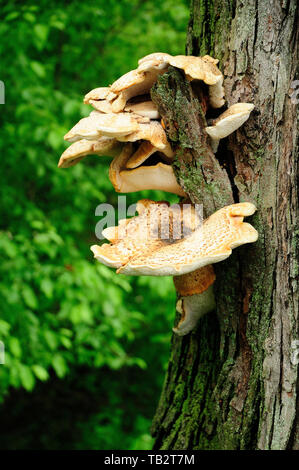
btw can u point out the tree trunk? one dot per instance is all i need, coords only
(231, 384)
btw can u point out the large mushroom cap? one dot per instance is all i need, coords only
(196, 68)
(156, 225)
(211, 243)
(99, 124)
(78, 150)
(156, 56)
(132, 84)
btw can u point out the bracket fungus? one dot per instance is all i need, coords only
(124, 112)
(228, 122)
(147, 245)
(126, 125)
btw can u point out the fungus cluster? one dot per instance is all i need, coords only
(125, 125)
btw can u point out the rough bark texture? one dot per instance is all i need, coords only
(232, 383)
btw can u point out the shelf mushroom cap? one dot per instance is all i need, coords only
(104, 106)
(138, 234)
(157, 56)
(98, 124)
(100, 93)
(230, 120)
(144, 108)
(151, 131)
(155, 226)
(211, 243)
(195, 68)
(133, 83)
(160, 176)
(105, 146)
(144, 151)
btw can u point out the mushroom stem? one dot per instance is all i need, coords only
(192, 308)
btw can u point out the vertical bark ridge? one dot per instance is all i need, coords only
(236, 383)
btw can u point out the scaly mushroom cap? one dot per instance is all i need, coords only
(98, 124)
(145, 108)
(156, 226)
(159, 176)
(141, 233)
(230, 120)
(195, 282)
(80, 149)
(211, 243)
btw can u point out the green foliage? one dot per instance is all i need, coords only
(59, 309)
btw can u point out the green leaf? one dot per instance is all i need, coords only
(47, 287)
(59, 365)
(66, 342)
(15, 347)
(40, 372)
(26, 377)
(41, 32)
(38, 68)
(29, 297)
(51, 339)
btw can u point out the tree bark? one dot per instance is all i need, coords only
(232, 383)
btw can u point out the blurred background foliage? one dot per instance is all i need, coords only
(85, 349)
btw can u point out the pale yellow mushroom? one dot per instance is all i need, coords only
(147, 245)
(144, 151)
(144, 108)
(100, 93)
(156, 224)
(104, 106)
(132, 84)
(161, 57)
(152, 132)
(98, 124)
(195, 68)
(228, 122)
(159, 176)
(105, 146)
(210, 243)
